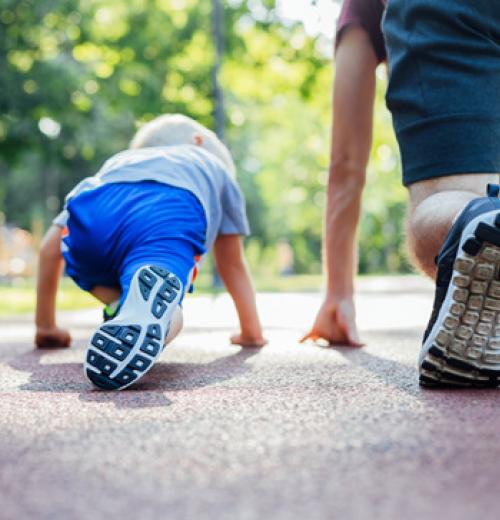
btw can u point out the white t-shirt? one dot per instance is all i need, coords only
(188, 167)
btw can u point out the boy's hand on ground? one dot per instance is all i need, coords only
(52, 337)
(248, 341)
(336, 324)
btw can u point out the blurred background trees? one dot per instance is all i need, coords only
(78, 76)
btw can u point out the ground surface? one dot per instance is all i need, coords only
(288, 432)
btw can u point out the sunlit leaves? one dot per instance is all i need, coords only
(81, 102)
(22, 61)
(129, 87)
(110, 22)
(77, 77)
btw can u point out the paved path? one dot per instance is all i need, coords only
(216, 432)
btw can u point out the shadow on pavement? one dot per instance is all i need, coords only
(163, 377)
(405, 377)
(392, 372)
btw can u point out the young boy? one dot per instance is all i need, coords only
(131, 235)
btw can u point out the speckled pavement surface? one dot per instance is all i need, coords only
(216, 432)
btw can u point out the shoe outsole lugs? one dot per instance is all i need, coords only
(123, 349)
(463, 348)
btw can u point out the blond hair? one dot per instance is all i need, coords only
(177, 129)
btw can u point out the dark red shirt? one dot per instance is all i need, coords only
(368, 15)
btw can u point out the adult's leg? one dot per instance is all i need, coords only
(434, 205)
(444, 62)
(444, 87)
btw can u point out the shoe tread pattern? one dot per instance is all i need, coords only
(466, 349)
(167, 292)
(113, 344)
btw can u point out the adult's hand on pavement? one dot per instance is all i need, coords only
(248, 341)
(336, 324)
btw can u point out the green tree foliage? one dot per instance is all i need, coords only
(77, 77)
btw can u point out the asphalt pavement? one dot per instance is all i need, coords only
(217, 432)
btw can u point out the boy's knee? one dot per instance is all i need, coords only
(175, 325)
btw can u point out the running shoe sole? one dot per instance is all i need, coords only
(125, 348)
(463, 347)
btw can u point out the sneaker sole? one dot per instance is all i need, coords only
(125, 348)
(463, 348)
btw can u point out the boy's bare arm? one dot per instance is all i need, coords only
(50, 266)
(233, 270)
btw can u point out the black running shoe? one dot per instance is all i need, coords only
(124, 348)
(462, 341)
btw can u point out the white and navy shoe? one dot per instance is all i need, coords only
(462, 342)
(124, 348)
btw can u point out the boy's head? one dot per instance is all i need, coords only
(177, 129)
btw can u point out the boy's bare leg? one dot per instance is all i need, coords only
(434, 205)
(175, 325)
(106, 295)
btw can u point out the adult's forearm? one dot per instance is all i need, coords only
(342, 218)
(353, 98)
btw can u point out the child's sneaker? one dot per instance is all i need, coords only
(462, 341)
(110, 310)
(124, 348)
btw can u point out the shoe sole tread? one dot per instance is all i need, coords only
(121, 350)
(465, 350)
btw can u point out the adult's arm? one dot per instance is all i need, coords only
(353, 99)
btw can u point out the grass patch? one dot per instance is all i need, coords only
(295, 283)
(21, 299)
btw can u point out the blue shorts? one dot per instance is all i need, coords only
(114, 230)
